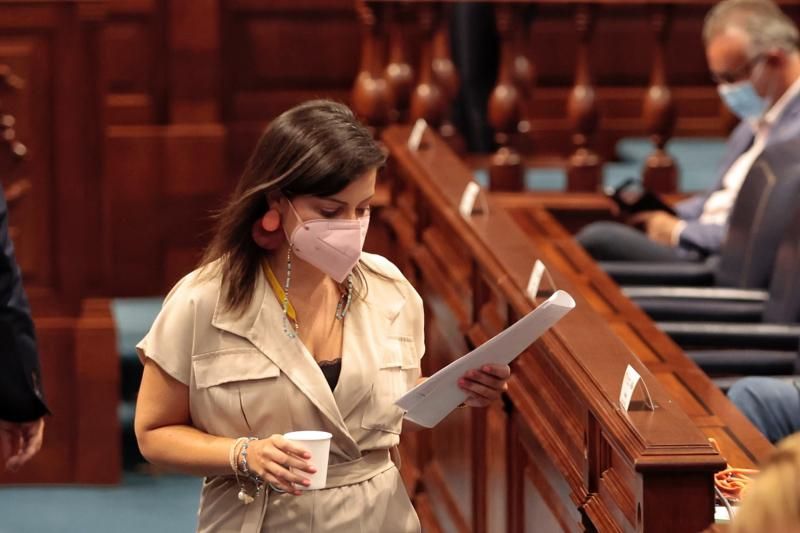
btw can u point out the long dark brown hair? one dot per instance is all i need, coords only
(316, 148)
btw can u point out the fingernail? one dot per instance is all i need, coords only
(462, 382)
(487, 369)
(306, 482)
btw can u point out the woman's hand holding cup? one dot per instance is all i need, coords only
(280, 463)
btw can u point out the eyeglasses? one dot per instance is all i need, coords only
(739, 74)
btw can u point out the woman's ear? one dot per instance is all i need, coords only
(776, 58)
(267, 239)
(274, 200)
(267, 231)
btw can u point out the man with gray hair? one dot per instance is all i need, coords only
(752, 52)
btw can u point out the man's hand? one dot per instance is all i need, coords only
(20, 441)
(658, 225)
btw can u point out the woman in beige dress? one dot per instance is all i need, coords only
(288, 326)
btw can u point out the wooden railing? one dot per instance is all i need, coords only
(559, 454)
(574, 77)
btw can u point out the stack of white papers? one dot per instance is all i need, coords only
(429, 402)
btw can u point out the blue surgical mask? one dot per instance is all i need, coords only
(742, 99)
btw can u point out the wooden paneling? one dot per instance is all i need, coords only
(80, 376)
(29, 57)
(194, 60)
(53, 46)
(164, 184)
(278, 54)
(135, 62)
(191, 85)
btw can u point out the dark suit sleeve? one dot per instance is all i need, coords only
(21, 398)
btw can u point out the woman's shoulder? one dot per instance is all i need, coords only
(200, 286)
(378, 264)
(385, 276)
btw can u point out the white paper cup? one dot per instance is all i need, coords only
(318, 444)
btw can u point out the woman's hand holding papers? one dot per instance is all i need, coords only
(485, 385)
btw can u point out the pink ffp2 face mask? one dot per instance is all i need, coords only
(333, 246)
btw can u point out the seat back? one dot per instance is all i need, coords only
(783, 304)
(762, 211)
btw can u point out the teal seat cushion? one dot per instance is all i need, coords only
(133, 318)
(697, 159)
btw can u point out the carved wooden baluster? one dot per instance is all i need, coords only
(399, 72)
(372, 98)
(8, 135)
(8, 157)
(428, 100)
(659, 113)
(447, 77)
(13, 150)
(583, 167)
(16, 191)
(505, 108)
(8, 80)
(524, 71)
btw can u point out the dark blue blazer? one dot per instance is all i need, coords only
(21, 398)
(708, 238)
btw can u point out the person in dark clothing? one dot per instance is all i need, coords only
(22, 406)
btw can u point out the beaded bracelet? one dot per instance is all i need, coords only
(243, 453)
(243, 496)
(232, 453)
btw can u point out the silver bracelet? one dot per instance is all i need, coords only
(243, 453)
(244, 497)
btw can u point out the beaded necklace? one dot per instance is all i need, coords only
(290, 324)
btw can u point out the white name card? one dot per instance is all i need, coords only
(467, 204)
(536, 278)
(415, 139)
(629, 383)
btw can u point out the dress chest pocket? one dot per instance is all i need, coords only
(228, 381)
(231, 365)
(398, 371)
